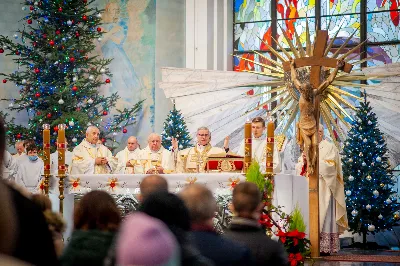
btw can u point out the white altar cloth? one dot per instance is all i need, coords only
(289, 189)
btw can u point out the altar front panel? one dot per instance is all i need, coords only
(289, 190)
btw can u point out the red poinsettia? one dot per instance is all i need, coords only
(294, 259)
(282, 236)
(296, 235)
(265, 220)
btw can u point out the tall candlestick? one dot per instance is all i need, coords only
(46, 157)
(247, 145)
(269, 169)
(61, 163)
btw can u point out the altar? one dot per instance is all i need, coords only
(289, 189)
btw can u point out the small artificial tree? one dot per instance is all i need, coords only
(371, 201)
(175, 127)
(58, 76)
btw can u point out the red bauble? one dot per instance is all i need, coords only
(60, 9)
(108, 80)
(37, 94)
(84, 17)
(58, 32)
(34, 44)
(52, 43)
(44, 36)
(250, 92)
(4, 81)
(37, 70)
(29, 21)
(74, 88)
(77, 34)
(17, 52)
(85, 1)
(49, 115)
(71, 59)
(99, 29)
(1, 50)
(19, 135)
(38, 113)
(103, 140)
(55, 128)
(105, 113)
(31, 8)
(124, 130)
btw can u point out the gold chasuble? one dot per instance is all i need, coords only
(192, 158)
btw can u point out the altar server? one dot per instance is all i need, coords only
(131, 152)
(89, 157)
(31, 168)
(10, 167)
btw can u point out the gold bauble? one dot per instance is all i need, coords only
(382, 185)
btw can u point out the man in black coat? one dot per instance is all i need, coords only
(222, 251)
(244, 228)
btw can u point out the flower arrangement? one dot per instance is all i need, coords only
(289, 228)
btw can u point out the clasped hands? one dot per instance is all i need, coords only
(101, 161)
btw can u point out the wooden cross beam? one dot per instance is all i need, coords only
(316, 62)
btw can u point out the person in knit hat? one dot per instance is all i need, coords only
(146, 241)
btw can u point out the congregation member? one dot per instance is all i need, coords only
(89, 157)
(193, 159)
(19, 148)
(332, 206)
(259, 146)
(10, 167)
(131, 152)
(155, 158)
(54, 159)
(246, 208)
(171, 210)
(96, 221)
(202, 206)
(30, 167)
(152, 184)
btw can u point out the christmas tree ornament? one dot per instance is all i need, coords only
(75, 78)
(58, 32)
(360, 128)
(11, 105)
(359, 120)
(24, 8)
(102, 71)
(44, 36)
(375, 193)
(360, 154)
(348, 192)
(31, 8)
(61, 101)
(114, 133)
(51, 42)
(380, 216)
(388, 201)
(368, 177)
(38, 113)
(378, 159)
(37, 70)
(103, 140)
(99, 39)
(37, 94)
(365, 140)
(36, 3)
(350, 160)
(29, 21)
(98, 29)
(74, 88)
(382, 185)
(98, 15)
(56, 63)
(369, 122)
(105, 113)
(351, 178)
(1, 50)
(124, 130)
(354, 213)
(55, 128)
(368, 207)
(90, 101)
(48, 115)
(16, 36)
(60, 9)
(71, 123)
(4, 81)
(23, 81)
(364, 164)
(108, 80)
(371, 227)
(17, 52)
(74, 140)
(84, 17)
(69, 22)
(72, 59)
(91, 77)
(19, 136)
(77, 34)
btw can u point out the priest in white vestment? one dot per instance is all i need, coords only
(332, 205)
(54, 160)
(89, 157)
(30, 168)
(155, 158)
(10, 167)
(131, 152)
(19, 147)
(192, 160)
(259, 146)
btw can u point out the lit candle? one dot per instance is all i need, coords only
(247, 145)
(46, 148)
(270, 147)
(61, 149)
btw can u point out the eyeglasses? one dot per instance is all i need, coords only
(203, 135)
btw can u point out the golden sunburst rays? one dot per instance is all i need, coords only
(335, 102)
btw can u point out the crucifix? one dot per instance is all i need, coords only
(307, 128)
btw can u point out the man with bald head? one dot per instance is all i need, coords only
(131, 152)
(151, 184)
(19, 147)
(154, 158)
(89, 157)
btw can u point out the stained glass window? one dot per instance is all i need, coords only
(252, 10)
(288, 26)
(387, 54)
(339, 7)
(346, 25)
(380, 5)
(295, 8)
(248, 35)
(383, 26)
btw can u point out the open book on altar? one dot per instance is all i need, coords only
(224, 162)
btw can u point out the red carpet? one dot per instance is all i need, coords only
(363, 258)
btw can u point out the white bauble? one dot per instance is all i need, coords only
(90, 101)
(61, 101)
(74, 140)
(103, 70)
(368, 207)
(376, 193)
(371, 227)
(380, 216)
(91, 77)
(348, 192)
(75, 78)
(388, 201)
(351, 178)
(368, 177)
(69, 22)
(23, 81)
(71, 123)
(354, 212)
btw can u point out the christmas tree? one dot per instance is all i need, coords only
(371, 201)
(175, 127)
(58, 77)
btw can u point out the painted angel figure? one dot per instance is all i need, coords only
(307, 133)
